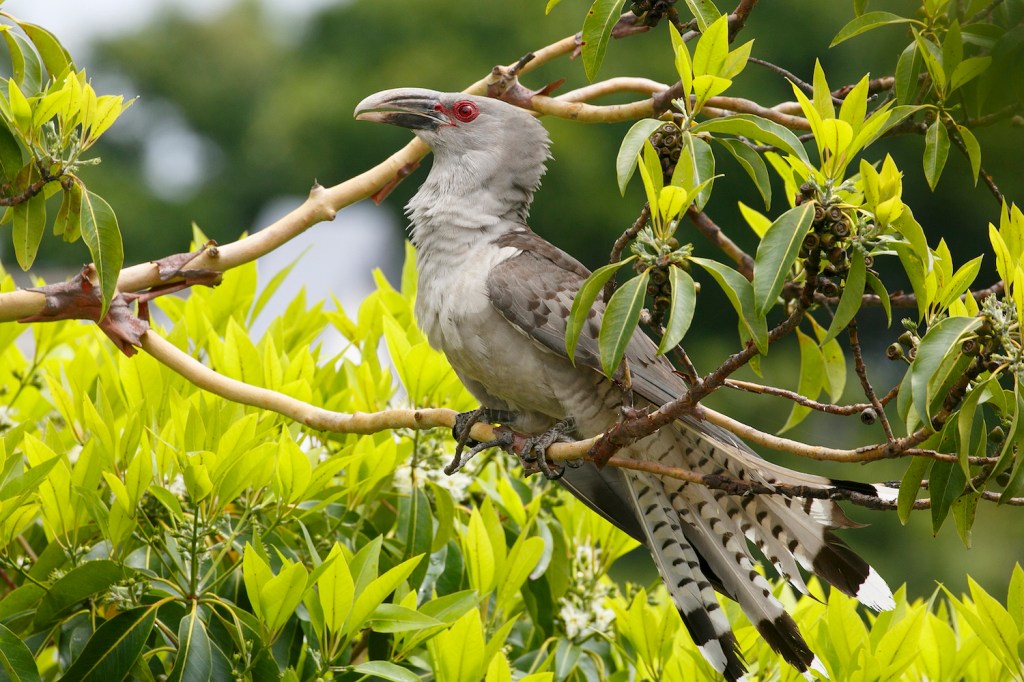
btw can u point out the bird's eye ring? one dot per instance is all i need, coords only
(465, 111)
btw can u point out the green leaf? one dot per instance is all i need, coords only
(756, 128)
(907, 69)
(932, 56)
(941, 340)
(704, 11)
(936, 149)
(68, 223)
(336, 591)
(112, 650)
(695, 170)
(25, 66)
(910, 485)
(1013, 438)
(965, 509)
(1000, 633)
(960, 282)
(753, 164)
(620, 320)
(1015, 597)
(75, 586)
(282, 594)
(376, 591)
(883, 295)
(458, 653)
(397, 618)
(712, 49)
(684, 301)
(741, 295)
(583, 303)
(632, 144)
(849, 302)
(194, 662)
(822, 95)
(968, 70)
(28, 224)
(946, 484)
(11, 160)
(522, 560)
(835, 362)
(56, 59)
(973, 150)
(867, 22)
(386, 670)
(597, 29)
(103, 237)
(777, 252)
(812, 378)
(16, 659)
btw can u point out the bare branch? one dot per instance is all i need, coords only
(716, 236)
(828, 408)
(862, 374)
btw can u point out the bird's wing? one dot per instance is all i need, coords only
(534, 291)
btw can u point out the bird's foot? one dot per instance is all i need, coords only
(534, 452)
(464, 422)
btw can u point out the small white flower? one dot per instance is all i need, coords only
(73, 452)
(577, 621)
(457, 484)
(403, 479)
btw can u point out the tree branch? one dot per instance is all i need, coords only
(707, 227)
(321, 204)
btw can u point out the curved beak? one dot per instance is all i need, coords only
(413, 108)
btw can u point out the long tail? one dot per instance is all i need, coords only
(698, 538)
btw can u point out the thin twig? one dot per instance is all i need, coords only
(620, 244)
(984, 12)
(796, 80)
(714, 233)
(985, 176)
(739, 16)
(828, 408)
(865, 383)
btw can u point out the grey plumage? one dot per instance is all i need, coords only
(495, 297)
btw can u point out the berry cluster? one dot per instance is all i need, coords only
(905, 347)
(668, 142)
(660, 290)
(826, 247)
(650, 12)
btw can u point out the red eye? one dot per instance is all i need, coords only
(465, 111)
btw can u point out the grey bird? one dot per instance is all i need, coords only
(495, 298)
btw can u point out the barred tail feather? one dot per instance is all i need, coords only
(719, 540)
(680, 569)
(803, 527)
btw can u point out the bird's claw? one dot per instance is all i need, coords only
(533, 453)
(464, 422)
(531, 450)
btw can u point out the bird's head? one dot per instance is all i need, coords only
(475, 139)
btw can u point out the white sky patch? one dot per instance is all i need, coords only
(76, 23)
(176, 159)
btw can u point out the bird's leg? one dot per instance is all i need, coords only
(464, 422)
(533, 454)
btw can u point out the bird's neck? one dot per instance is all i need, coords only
(468, 199)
